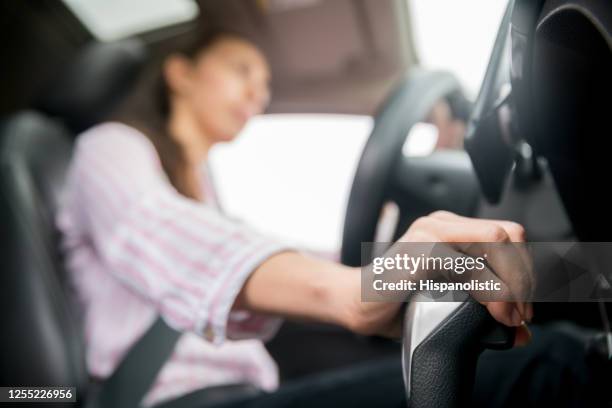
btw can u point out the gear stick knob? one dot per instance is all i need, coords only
(441, 345)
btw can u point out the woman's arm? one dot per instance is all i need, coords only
(298, 286)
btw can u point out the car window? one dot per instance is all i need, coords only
(290, 175)
(448, 35)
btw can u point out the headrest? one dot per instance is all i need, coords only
(91, 85)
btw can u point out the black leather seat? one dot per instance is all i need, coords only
(41, 337)
(41, 343)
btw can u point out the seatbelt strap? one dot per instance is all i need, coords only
(134, 376)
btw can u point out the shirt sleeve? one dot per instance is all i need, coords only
(183, 256)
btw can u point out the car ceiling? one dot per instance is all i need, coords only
(327, 56)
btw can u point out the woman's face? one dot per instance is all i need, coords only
(223, 87)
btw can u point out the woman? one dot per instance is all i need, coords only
(143, 235)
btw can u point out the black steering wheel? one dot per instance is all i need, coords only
(419, 185)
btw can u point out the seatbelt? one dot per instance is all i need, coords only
(134, 376)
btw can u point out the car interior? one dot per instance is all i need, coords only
(536, 147)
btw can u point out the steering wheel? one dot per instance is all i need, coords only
(419, 185)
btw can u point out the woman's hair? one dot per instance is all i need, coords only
(147, 107)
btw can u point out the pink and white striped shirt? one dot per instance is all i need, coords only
(136, 249)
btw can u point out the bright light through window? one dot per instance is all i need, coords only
(457, 36)
(289, 176)
(113, 19)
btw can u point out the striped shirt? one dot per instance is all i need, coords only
(136, 249)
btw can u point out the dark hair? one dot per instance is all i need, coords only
(147, 107)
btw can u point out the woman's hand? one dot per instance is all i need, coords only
(384, 318)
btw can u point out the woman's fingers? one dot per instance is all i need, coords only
(506, 260)
(522, 336)
(515, 233)
(480, 238)
(504, 312)
(475, 237)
